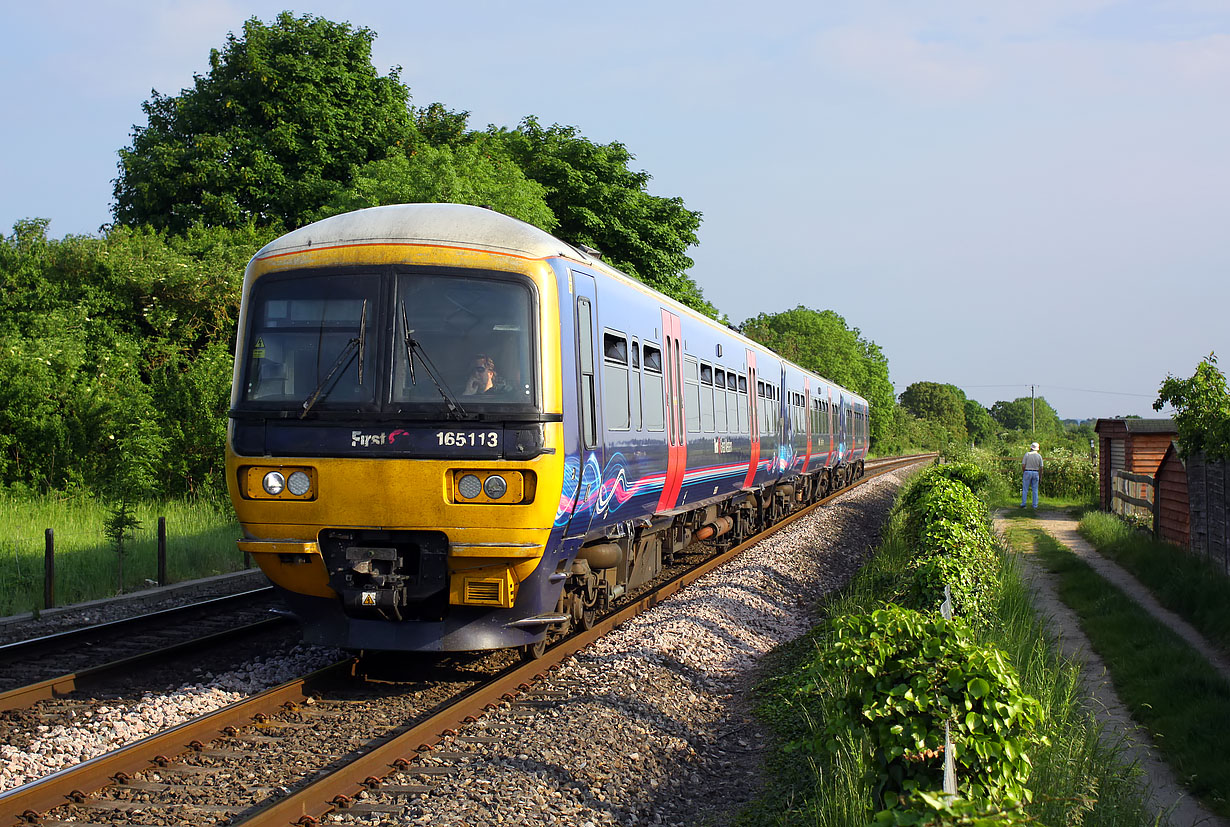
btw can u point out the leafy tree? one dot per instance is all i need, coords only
(820, 341)
(978, 422)
(115, 358)
(601, 203)
(1028, 415)
(1202, 410)
(931, 400)
(438, 126)
(904, 432)
(478, 172)
(271, 132)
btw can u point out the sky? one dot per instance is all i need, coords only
(1006, 197)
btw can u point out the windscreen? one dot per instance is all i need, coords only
(313, 341)
(414, 343)
(475, 333)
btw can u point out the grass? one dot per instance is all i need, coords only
(200, 542)
(1169, 688)
(1188, 585)
(1081, 778)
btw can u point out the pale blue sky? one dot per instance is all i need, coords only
(996, 196)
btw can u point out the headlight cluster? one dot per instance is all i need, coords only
(486, 486)
(280, 483)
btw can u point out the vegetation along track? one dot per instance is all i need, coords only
(319, 743)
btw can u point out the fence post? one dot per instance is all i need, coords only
(162, 551)
(1157, 507)
(49, 569)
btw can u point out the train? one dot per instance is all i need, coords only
(450, 430)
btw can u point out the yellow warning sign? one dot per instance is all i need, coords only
(369, 598)
(258, 350)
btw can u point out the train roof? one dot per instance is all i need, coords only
(449, 225)
(470, 227)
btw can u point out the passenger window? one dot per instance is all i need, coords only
(617, 396)
(653, 358)
(691, 404)
(707, 417)
(655, 398)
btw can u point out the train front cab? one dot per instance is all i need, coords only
(372, 507)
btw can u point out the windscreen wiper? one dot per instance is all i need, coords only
(357, 344)
(413, 346)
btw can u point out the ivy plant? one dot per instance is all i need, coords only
(906, 675)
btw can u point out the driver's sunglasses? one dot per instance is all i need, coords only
(481, 368)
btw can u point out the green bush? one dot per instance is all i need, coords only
(1066, 473)
(967, 472)
(950, 532)
(905, 674)
(115, 365)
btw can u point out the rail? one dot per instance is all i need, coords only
(339, 787)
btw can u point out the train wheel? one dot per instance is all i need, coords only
(534, 651)
(588, 617)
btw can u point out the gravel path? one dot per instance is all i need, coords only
(652, 724)
(1166, 793)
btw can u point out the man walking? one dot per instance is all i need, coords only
(1031, 472)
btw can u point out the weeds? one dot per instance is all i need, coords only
(1187, 584)
(201, 542)
(1169, 688)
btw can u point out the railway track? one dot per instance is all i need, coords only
(356, 754)
(55, 665)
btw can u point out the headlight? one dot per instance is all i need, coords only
(273, 483)
(469, 486)
(299, 483)
(495, 487)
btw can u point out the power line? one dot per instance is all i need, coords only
(1063, 388)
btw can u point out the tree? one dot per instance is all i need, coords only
(938, 403)
(820, 341)
(271, 132)
(978, 422)
(115, 363)
(601, 203)
(1027, 414)
(477, 172)
(1202, 410)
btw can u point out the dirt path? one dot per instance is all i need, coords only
(1166, 793)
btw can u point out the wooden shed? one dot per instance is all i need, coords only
(1173, 511)
(1134, 445)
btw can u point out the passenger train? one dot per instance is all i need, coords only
(450, 430)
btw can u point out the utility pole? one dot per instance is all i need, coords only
(1033, 419)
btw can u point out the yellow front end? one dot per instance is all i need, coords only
(494, 543)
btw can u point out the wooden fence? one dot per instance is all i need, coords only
(1210, 509)
(1133, 496)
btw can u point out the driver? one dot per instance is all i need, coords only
(483, 377)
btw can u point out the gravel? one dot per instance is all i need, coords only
(107, 727)
(50, 621)
(652, 724)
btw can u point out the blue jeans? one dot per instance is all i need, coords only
(1029, 480)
